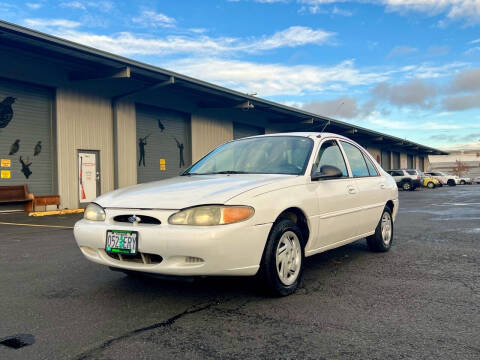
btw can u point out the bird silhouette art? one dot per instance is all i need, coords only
(6, 111)
(15, 147)
(38, 148)
(160, 125)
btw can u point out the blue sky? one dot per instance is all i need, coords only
(410, 68)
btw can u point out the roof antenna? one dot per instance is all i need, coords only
(324, 126)
(336, 111)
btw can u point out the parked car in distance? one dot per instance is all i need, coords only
(257, 205)
(477, 180)
(430, 182)
(407, 179)
(463, 180)
(444, 178)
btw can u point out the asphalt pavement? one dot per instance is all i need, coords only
(421, 300)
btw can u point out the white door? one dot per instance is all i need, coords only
(88, 176)
(371, 197)
(335, 218)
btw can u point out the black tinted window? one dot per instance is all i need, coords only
(411, 172)
(396, 173)
(330, 154)
(356, 160)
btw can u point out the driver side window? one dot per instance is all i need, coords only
(330, 154)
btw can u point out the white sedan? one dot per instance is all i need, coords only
(257, 205)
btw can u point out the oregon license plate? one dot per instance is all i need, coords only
(121, 242)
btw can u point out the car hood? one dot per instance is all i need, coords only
(185, 191)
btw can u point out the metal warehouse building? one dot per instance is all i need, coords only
(78, 122)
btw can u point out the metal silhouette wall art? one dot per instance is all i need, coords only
(160, 126)
(180, 150)
(15, 147)
(6, 111)
(26, 167)
(142, 142)
(38, 148)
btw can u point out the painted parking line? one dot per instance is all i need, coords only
(37, 225)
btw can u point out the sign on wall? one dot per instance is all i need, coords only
(87, 172)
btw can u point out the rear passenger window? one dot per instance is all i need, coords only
(371, 168)
(356, 160)
(411, 172)
(330, 154)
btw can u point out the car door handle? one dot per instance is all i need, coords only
(382, 186)
(351, 190)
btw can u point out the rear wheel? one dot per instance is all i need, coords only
(462, 182)
(381, 241)
(430, 185)
(282, 263)
(406, 186)
(451, 182)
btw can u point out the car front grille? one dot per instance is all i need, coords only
(144, 219)
(139, 258)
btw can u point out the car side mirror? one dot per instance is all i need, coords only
(327, 172)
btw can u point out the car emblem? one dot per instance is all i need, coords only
(134, 219)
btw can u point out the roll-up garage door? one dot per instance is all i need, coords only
(242, 130)
(396, 160)
(410, 161)
(26, 146)
(163, 143)
(386, 160)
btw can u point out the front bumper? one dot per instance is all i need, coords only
(234, 249)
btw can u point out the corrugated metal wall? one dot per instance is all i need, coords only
(26, 130)
(126, 143)
(242, 130)
(161, 129)
(83, 122)
(208, 133)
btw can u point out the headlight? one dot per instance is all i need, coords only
(209, 215)
(94, 212)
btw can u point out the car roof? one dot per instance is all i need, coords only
(309, 134)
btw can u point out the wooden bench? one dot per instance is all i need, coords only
(45, 200)
(17, 194)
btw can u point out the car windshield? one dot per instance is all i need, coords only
(261, 155)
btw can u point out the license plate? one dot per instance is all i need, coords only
(121, 242)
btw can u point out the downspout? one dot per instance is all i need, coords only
(114, 103)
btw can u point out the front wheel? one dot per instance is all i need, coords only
(381, 240)
(462, 182)
(431, 185)
(282, 263)
(406, 186)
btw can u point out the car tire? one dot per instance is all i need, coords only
(382, 239)
(462, 182)
(431, 185)
(407, 186)
(451, 182)
(281, 268)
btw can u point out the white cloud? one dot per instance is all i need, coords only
(73, 4)
(454, 9)
(126, 43)
(275, 79)
(34, 6)
(476, 41)
(150, 18)
(104, 6)
(52, 23)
